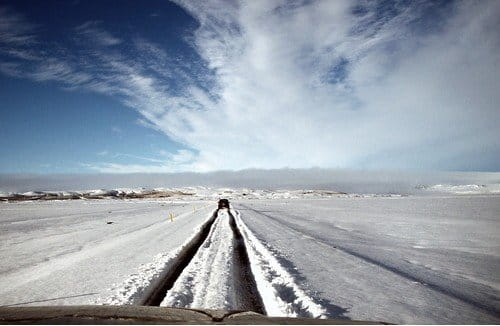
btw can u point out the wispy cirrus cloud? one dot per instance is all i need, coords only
(17, 37)
(164, 162)
(47, 69)
(24, 55)
(411, 93)
(14, 29)
(93, 32)
(306, 83)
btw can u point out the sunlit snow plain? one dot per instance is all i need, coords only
(414, 259)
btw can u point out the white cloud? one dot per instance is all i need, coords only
(55, 69)
(338, 180)
(301, 84)
(17, 36)
(92, 31)
(166, 162)
(117, 130)
(14, 29)
(435, 93)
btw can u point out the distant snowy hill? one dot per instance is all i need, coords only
(471, 189)
(200, 193)
(204, 193)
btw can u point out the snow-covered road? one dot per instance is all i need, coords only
(431, 259)
(231, 270)
(205, 283)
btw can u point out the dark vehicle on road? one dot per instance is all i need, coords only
(223, 203)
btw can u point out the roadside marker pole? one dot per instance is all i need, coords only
(171, 217)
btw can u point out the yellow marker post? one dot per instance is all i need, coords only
(171, 215)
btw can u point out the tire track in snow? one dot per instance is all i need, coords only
(204, 283)
(219, 275)
(281, 295)
(223, 266)
(232, 270)
(244, 282)
(139, 287)
(156, 292)
(483, 301)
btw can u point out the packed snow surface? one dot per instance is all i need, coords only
(399, 259)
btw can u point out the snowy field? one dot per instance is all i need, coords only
(64, 252)
(414, 259)
(402, 260)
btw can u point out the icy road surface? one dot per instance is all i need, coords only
(64, 252)
(401, 260)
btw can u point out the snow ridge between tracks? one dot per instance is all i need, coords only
(204, 283)
(279, 292)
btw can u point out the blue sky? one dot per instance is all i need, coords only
(127, 86)
(47, 128)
